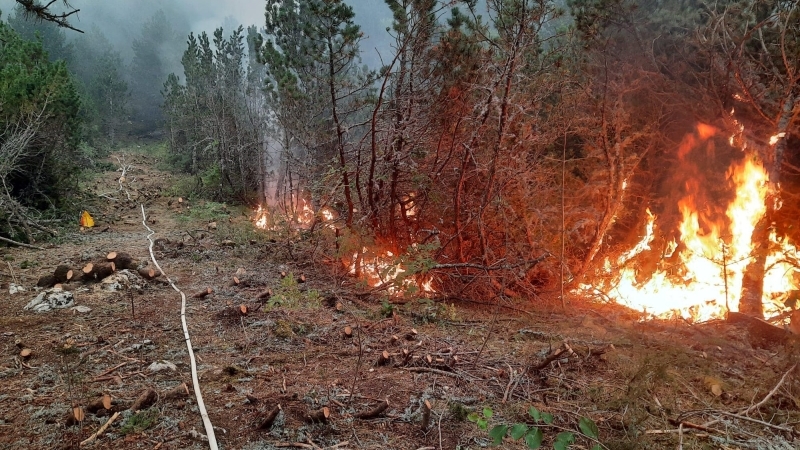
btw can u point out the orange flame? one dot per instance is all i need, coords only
(383, 269)
(705, 280)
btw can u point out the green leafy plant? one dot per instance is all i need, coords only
(533, 436)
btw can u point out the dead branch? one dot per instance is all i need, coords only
(374, 412)
(269, 419)
(101, 430)
(19, 244)
(561, 352)
(43, 12)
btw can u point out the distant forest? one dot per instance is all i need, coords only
(510, 142)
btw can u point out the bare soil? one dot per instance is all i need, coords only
(645, 384)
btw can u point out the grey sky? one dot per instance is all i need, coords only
(120, 20)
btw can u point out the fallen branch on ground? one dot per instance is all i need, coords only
(101, 430)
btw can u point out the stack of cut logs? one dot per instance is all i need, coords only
(96, 270)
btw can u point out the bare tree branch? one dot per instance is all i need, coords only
(43, 12)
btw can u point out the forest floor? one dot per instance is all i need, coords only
(643, 384)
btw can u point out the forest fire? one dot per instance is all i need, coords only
(383, 270)
(378, 268)
(300, 216)
(699, 277)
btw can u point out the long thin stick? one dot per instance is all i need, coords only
(747, 411)
(212, 440)
(101, 430)
(20, 244)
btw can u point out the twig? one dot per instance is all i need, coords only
(763, 401)
(13, 277)
(101, 430)
(436, 371)
(557, 354)
(212, 440)
(20, 244)
(510, 382)
(112, 369)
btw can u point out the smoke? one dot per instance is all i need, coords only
(121, 20)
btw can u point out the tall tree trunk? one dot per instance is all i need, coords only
(753, 281)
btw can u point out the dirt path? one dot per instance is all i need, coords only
(293, 350)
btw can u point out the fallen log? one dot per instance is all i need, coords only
(374, 412)
(148, 273)
(145, 400)
(46, 281)
(320, 416)
(121, 260)
(264, 295)
(269, 419)
(203, 293)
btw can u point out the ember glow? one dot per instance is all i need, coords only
(704, 279)
(384, 269)
(302, 217)
(377, 268)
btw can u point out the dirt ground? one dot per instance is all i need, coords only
(644, 384)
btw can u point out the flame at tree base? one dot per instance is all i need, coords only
(700, 276)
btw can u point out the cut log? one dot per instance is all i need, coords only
(179, 391)
(243, 309)
(148, 273)
(269, 419)
(203, 293)
(320, 416)
(406, 354)
(60, 274)
(101, 403)
(348, 332)
(373, 413)
(75, 416)
(301, 278)
(46, 281)
(264, 295)
(87, 270)
(145, 400)
(25, 353)
(384, 358)
(121, 260)
(103, 270)
(426, 415)
(234, 282)
(412, 334)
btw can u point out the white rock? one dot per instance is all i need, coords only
(53, 298)
(117, 282)
(158, 366)
(81, 308)
(15, 288)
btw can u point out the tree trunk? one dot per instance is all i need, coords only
(753, 281)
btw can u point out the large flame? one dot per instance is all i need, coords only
(703, 280)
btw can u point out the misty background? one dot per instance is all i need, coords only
(121, 20)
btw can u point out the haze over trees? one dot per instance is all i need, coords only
(506, 145)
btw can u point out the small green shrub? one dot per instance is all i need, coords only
(533, 435)
(139, 422)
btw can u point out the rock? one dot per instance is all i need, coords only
(15, 288)
(119, 281)
(81, 309)
(54, 298)
(158, 366)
